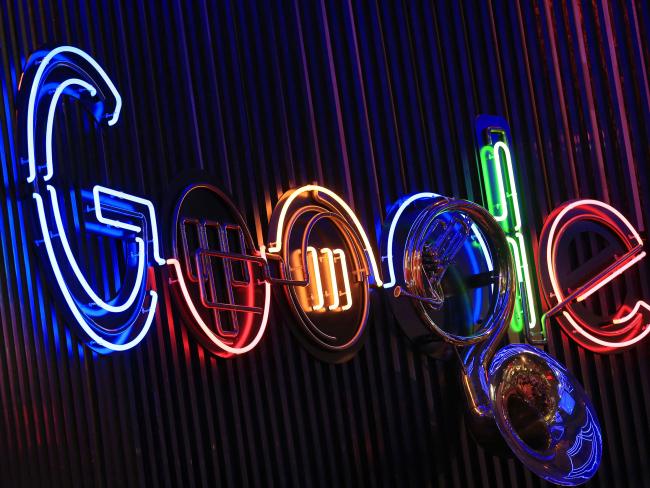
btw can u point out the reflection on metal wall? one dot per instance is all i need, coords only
(374, 100)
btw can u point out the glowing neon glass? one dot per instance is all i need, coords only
(57, 247)
(500, 187)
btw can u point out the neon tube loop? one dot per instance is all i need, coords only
(494, 169)
(320, 298)
(110, 325)
(220, 235)
(176, 265)
(44, 63)
(326, 272)
(630, 327)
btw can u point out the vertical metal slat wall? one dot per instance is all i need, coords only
(374, 99)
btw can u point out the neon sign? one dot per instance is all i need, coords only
(224, 283)
(325, 261)
(215, 260)
(325, 284)
(319, 253)
(321, 257)
(121, 322)
(628, 325)
(219, 278)
(502, 199)
(284, 205)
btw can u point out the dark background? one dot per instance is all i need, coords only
(374, 100)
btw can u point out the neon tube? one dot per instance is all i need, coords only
(98, 189)
(391, 235)
(512, 229)
(556, 221)
(346, 279)
(633, 313)
(610, 277)
(38, 90)
(32, 103)
(276, 247)
(72, 303)
(557, 291)
(335, 295)
(511, 180)
(319, 286)
(57, 215)
(77, 271)
(502, 189)
(206, 330)
(50, 119)
(532, 313)
(332, 271)
(515, 253)
(601, 342)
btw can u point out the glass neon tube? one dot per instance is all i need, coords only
(502, 200)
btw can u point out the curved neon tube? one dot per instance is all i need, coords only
(98, 189)
(522, 272)
(556, 286)
(391, 234)
(634, 311)
(515, 252)
(601, 342)
(48, 141)
(277, 245)
(86, 325)
(226, 347)
(70, 300)
(32, 103)
(511, 177)
(508, 170)
(77, 271)
(57, 215)
(502, 187)
(50, 119)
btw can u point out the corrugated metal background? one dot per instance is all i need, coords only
(373, 99)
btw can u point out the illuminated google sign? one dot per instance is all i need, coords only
(119, 323)
(319, 254)
(320, 260)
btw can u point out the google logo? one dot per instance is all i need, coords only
(319, 254)
(321, 261)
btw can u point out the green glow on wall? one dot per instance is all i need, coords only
(502, 200)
